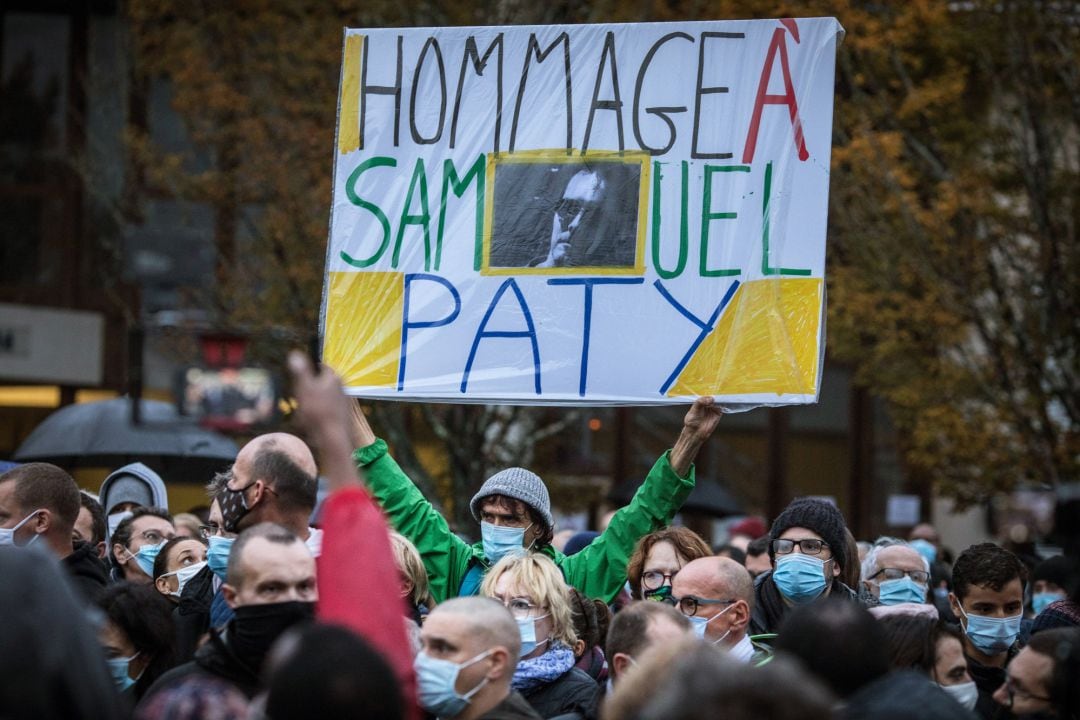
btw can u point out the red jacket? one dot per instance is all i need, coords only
(359, 581)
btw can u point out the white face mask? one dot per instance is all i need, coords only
(700, 625)
(967, 694)
(114, 521)
(7, 535)
(183, 575)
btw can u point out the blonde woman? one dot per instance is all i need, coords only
(533, 589)
(414, 577)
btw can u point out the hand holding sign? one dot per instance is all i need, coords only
(698, 425)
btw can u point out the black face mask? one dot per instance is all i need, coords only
(233, 508)
(256, 627)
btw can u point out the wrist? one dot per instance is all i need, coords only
(333, 437)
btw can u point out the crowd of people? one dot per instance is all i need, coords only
(368, 605)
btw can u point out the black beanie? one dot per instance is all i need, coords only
(1059, 570)
(818, 515)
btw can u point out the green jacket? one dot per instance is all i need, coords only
(598, 571)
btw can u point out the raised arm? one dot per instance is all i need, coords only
(599, 570)
(357, 577)
(445, 555)
(359, 428)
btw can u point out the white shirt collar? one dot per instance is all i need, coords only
(314, 541)
(742, 650)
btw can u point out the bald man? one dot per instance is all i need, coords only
(717, 595)
(480, 637)
(274, 479)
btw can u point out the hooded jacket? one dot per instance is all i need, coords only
(143, 473)
(456, 568)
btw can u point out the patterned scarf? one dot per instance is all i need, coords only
(541, 670)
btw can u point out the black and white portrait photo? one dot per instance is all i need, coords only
(565, 215)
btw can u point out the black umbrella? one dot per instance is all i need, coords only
(101, 434)
(708, 498)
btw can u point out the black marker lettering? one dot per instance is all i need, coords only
(660, 112)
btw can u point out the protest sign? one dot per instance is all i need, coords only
(587, 214)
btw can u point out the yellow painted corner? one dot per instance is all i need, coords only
(363, 327)
(765, 342)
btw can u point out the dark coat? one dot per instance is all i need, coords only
(214, 658)
(514, 707)
(572, 692)
(770, 608)
(192, 614)
(87, 572)
(988, 679)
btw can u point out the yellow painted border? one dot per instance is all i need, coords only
(556, 156)
(349, 108)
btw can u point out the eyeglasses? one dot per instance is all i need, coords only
(919, 576)
(520, 608)
(211, 530)
(654, 579)
(1012, 691)
(807, 546)
(689, 604)
(154, 537)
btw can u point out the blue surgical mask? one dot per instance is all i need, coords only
(991, 636)
(119, 669)
(527, 630)
(436, 680)
(800, 578)
(7, 535)
(146, 555)
(925, 548)
(217, 554)
(700, 624)
(499, 541)
(904, 590)
(1039, 601)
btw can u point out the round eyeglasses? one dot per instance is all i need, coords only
(689, 604)
(654, 579)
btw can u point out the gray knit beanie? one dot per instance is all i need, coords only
(520, 484)
(821, 517)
